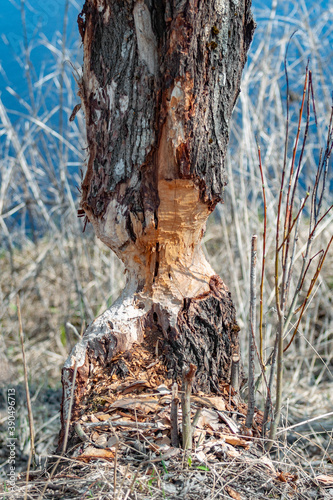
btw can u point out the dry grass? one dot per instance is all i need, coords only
(64, 276)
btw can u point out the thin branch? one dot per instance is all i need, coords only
(174, 416)
(313, 282)
(188, 378)
(261, 303)
(252, 329)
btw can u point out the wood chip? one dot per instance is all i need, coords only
(103, 417)
(91, 453)
(209, 402)
(232, 493)
(162, 389)
(208, 418)
(149, 426)
(266, 461)
(101, 439)
(112, 441)
(144, 405)
(134, 386)
(201, 456)
(230, 423)
(286, 477)
(235, 441)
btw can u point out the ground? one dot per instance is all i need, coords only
(121, 447)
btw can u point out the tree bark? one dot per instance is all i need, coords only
(160, 80)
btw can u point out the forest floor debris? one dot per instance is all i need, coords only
(121, 447)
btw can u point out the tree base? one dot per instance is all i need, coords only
(204, 333)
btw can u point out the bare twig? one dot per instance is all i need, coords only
(188, 378)
(65, 441)
(252, 329)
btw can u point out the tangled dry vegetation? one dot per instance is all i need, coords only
(66, 278)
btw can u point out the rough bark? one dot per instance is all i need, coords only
(160, 80)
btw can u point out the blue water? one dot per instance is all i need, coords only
(43, 20)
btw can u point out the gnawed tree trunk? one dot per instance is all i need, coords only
(160, 80)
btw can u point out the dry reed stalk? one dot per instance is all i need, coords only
(174, 416)
(264, 238)
(289, 240)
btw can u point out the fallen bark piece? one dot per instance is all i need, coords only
(112, 441)
(124, 423)
(162, 389)
(208, 418)
(103, 417)
(266, 461)
(232, 493)
(230, 423)
(287, 477)
(92, 453)
(100, 440)
(188, 379)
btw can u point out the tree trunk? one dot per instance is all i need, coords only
(160, 80)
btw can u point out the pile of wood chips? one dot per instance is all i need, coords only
(131, 418)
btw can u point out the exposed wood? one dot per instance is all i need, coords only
(252, 331)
